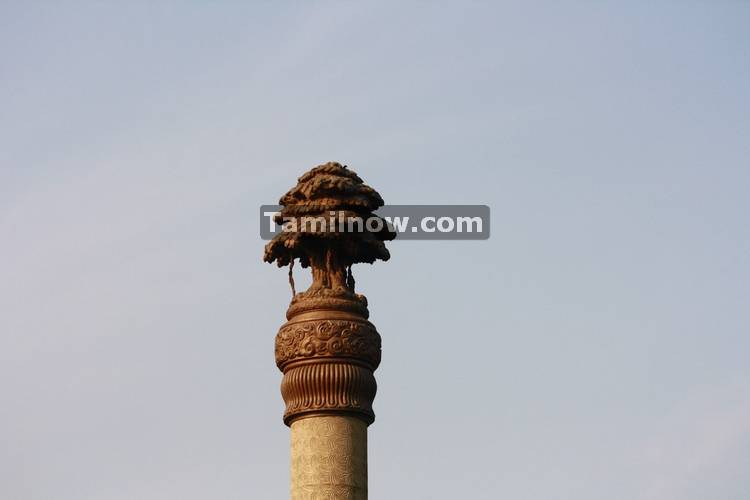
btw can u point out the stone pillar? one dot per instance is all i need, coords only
(327, 349)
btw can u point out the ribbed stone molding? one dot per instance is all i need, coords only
(329, 459)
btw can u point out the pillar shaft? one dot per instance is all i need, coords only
(329, 458)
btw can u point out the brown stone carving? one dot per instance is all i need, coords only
(327, 338)
(319, 388)
(326, 189)
(328, 350)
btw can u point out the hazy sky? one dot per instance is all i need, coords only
(596, 346)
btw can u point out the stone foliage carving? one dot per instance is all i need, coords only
(329, 249)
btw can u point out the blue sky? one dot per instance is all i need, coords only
(594, 347)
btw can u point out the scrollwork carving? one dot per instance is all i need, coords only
(328, 338)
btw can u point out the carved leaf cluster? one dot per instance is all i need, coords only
(325, 188)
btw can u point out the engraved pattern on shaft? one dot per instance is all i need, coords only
(329, 459)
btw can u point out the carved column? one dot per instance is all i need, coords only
(327, 349)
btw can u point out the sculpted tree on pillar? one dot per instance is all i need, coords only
(325, 217)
